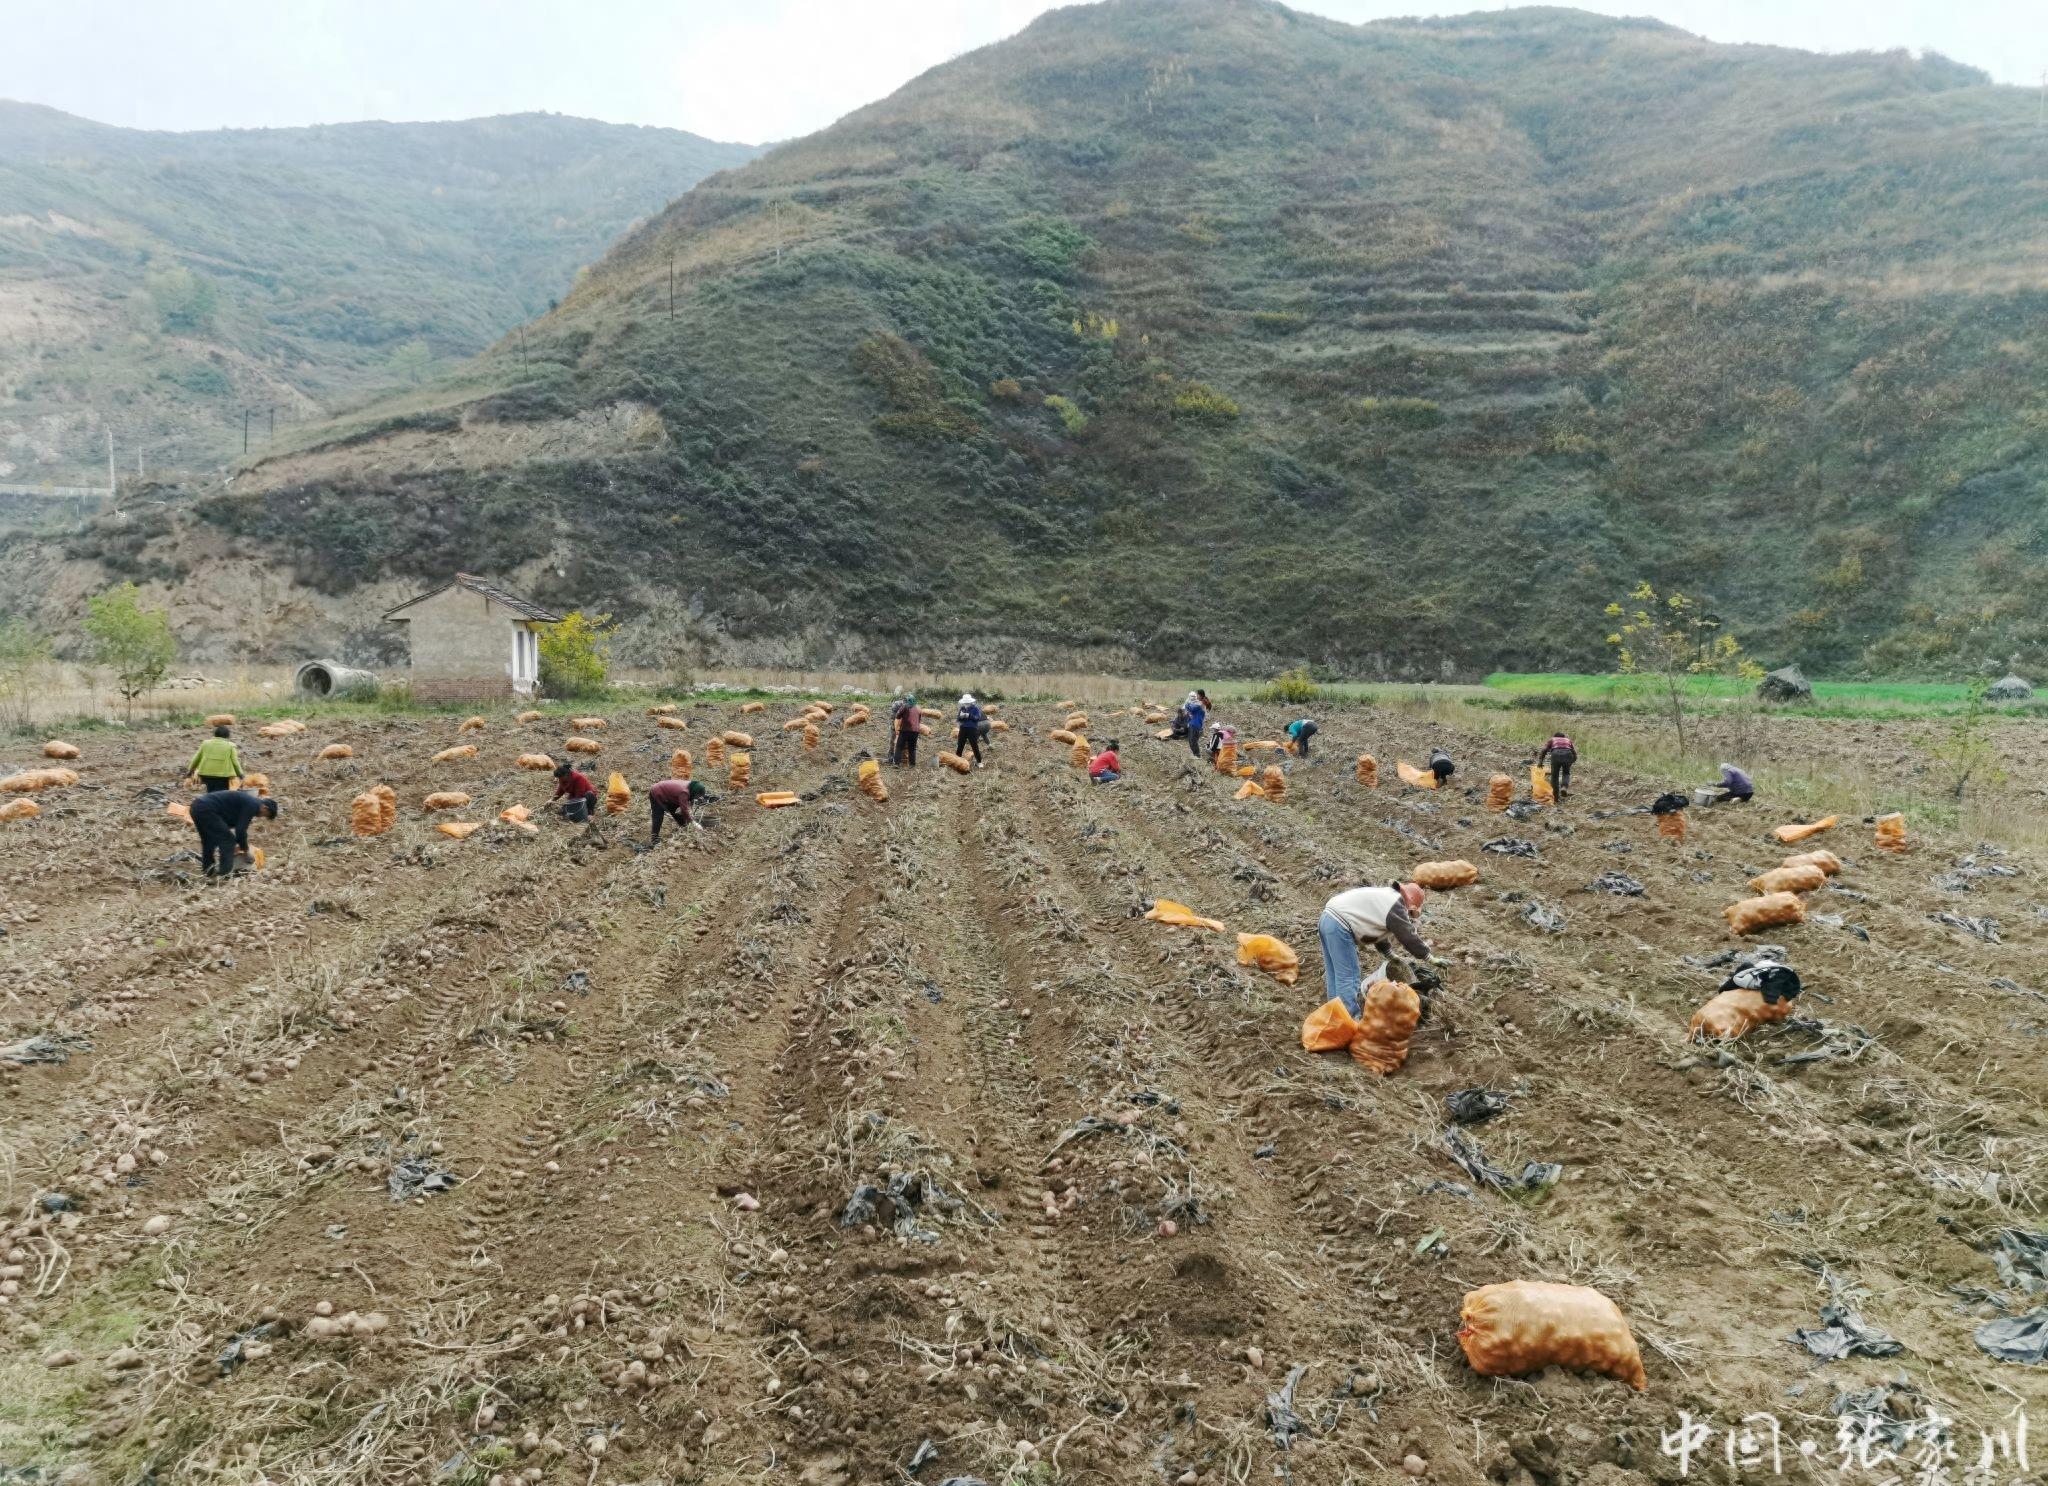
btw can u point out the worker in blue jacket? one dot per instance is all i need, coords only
(970, 728)
(1196, 710)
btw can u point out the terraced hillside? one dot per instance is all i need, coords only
(1213, 336)
(862, 1136)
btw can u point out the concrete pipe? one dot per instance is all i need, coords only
(326, 678)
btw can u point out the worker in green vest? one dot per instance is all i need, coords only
(216, 765)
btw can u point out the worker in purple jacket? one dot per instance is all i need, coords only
(1735, 785)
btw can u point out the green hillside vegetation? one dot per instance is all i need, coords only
(1205, 335)
(161, 283)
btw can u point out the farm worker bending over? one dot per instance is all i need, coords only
(222, 817)
(1301, 731)
(577, 794)
(216, 763)
(1559, 754)
(671, 800)
(1105, 768)
(1734, 785)
(1196, 709)
(969, 722)
(1440, 765)
(909, 722)
(1375, 916)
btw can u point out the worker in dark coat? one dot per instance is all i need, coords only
(222, 817)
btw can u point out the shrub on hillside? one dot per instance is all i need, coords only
(576, 655)
(1406, 412)
(1198, 402)
(1006, 388)
(1075, 420)
(1294, 688)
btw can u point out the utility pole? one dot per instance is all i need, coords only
(245, 430)
(273, 421)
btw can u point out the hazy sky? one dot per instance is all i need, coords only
(750, 70)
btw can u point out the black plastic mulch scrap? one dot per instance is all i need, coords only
(44, 1048)
(1871, 1408)
(1842, 1333)
(1618, 883)
(416, 1176)
(1985, 929)
(2022, 1339)
(1280, 1415)
(1510, 846)
(1537, 915)
(231, 1356)
(2022, 1260)
(1475, 1106)
(1537, 1176)
(905, 1195)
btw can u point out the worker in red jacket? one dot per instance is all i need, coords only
(670, 800)
(1105, 767)
(577, 794)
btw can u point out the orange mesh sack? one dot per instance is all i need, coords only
(459, 751)
(1226, 758)
(515, 814)
(1248, 771)
(1415, 778)
(797, 724)
(1063, 735)
(1525, 1326)
(776, 799)
(337, 751)
(1368, 771)
(661, 709)
(1891, 832)
(387, 804)
(528, 716)
(617, 794)
(1500, 793)
(1078, 721)
(1261, 745)
(997, 725)
(1753, 914)
(1827, 861)
(1789, 834)
(1274, 956)
(221, 720)
(1164, 735)
(280, 729)
(1078, 755)
(258, 782)
(958, 764)
(1275, 783)
(461, 830)
(583, 745)
(1328, 1028)
(737, 739)
(1248, 791)
(811, 735)
(471, 725)
(870, 777)
(365, 815)
(714, 751)
(445, 799)
(539, 763)
(1803, 878)
(1539, 786)
(665, 721)
(58, 749)
(854, 719)
(746, 707)
(22, 810)
(740, 771)
(1385, 1023)
(34, 781)
(1166, 911)
(1672, 827)
(586, 724)
(1733, 1013)
(679, 764)
(1441, 876)
(178, 810)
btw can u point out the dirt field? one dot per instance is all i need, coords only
(659, 1079)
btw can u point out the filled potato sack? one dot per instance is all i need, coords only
(740, 771)
(617, 794)
(459, 751)
(1524, 1326)
(1671, 825)
(776, 799)
(221, 720)
(57, 748)
(1732, 1013)
(737, 739)
(1891, 832)
(679, 764)
(1440, 877)
(1789, 834)
(746, 707)
(586, 724)
(1368, 771)
(1260, 745)
(582, 745)
(515, 814)
(387, 804)
(1274, 783)
(1274, 956)
(26, 809)
(538, 763)
(661, 709)
(1803, 878)
(1768, 912)
(179, 811)
(35, 781)
(797, 724)
(1500, 793)
(528, 716)
(1827, 861)
(812, 737)
(337, 751)
(678, 724)
(714, 751)
(1226, 758)
(258, 782)
(1413, 777)
(1063, 735)
(956, 763)
(445, 799)
(365, 815)
(461, 830)
(1249, 791)
(1387, 1019)
(997, 725)
(1166, 911)
(1079, 755)
(470, 725)
(1078, 722)
(869, 775)
(1539, 786)
(854, 719)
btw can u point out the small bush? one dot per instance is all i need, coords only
(1293, 688)
(1075, 420)
(1200, 403)
(1543, 701)
(1006, 388)
(576, 655)
(1407, 412)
